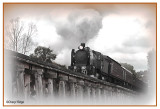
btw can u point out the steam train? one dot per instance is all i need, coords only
(94, 64)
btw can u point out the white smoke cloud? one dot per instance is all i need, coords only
(64, 57)
(76, 27)
(79, 26)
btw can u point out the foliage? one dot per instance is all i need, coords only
(43, 54)
(143, 75)
(151, 60)
(151, 57)
(129, 67)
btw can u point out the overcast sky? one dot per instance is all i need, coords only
(125, 32)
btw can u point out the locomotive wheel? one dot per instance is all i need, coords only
(110, 79)
(115, 81)
(100, 77)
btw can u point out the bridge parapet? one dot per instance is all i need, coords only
(37, 82)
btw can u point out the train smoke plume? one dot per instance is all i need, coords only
(79, 26)
(74, 27)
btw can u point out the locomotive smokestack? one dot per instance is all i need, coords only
(83, 45)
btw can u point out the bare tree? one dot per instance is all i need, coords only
(18, 37)
(14, 34)
(27, 38)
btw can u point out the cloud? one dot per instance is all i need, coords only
(78, 26)
(141, 41)
(138, 60)
(149, 24)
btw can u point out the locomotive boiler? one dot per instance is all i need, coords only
(94, 64)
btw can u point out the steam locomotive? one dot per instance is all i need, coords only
(94, 64)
